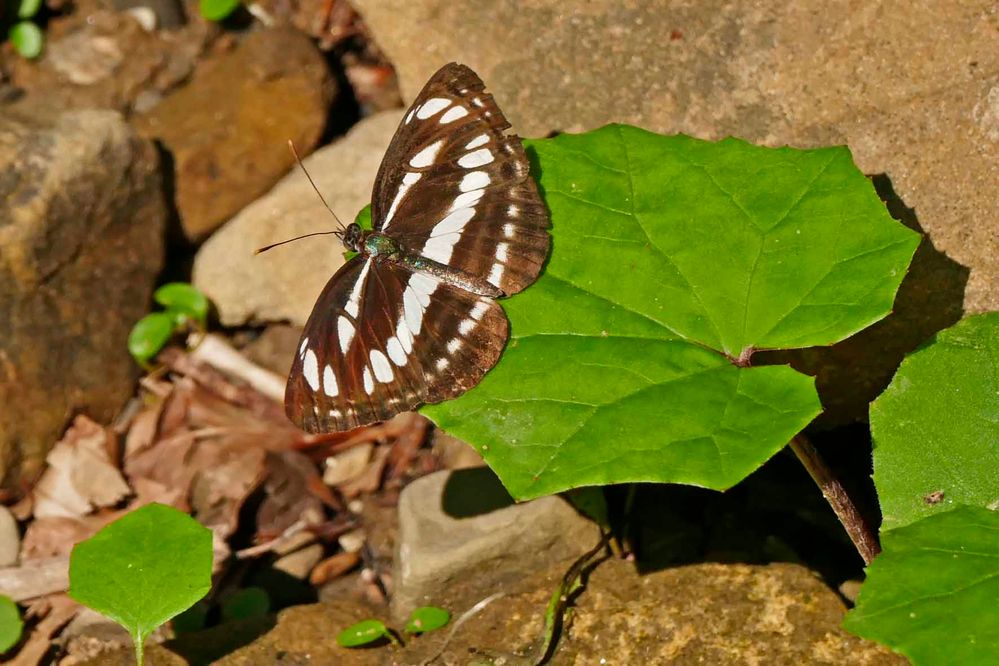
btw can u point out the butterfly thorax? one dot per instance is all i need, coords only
(385, 248)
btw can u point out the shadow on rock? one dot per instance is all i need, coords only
(852, 373)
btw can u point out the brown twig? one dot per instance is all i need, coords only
(863, 537)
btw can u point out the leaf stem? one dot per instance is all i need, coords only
(864, 538)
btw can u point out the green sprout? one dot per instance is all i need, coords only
(185, 308)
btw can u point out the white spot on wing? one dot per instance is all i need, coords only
(478, 102)
(409, 116)
(512, 210)
(453, 345)
(479, 310)
(508, 230)
(310, 370)
(402, 332)
(474, 181)
(476, 159)
(345, 332)
(330, 387)
(495, 275)
(466, 199)
(380, 364)
(453, 114)
(455, 221)
(301, 347)
(501, 252)
(396, 352)
(466, 326)
(407, 182)
(369, 384)
(441, 247)
(416, 298)
(442, 363)
(432, 106)
(480, 140)
(425, 157)
(354, 301)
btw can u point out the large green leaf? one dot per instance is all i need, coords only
(936, 427)
(672, 258)
(933, 594)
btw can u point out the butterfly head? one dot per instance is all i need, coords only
(352, 237)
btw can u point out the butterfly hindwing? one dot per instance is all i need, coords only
(456, 188)
(382, 340)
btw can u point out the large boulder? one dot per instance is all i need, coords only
(227, 131)
(82, 215)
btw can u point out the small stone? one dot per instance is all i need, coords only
(353, 541)
(10, 538)
(347, 465)
(299, 563)
(463, 527)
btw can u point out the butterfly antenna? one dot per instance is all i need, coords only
(291, 144)
(317, 233)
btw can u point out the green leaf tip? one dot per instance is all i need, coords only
(673, 259)
(183, 298)
(144, 568)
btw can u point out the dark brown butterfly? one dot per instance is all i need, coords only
(458, 222)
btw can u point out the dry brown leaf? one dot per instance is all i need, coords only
(334, 567)
(81, 473)
(55, 611)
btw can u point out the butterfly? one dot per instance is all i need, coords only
(457, 223)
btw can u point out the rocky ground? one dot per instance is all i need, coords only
(133, 154)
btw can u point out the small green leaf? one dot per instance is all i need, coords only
(217, 10)
(143, 569)
(936, 443)
(27, 39)
(184, 298)
(672, 259)
(363, 633)
(933, 594)
(363, 219)
(11, 624)
(246, 603)
(427, 618)
(28, 8)
(150, 334)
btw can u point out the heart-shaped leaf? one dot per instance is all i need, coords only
(673, 260)
(936, 427)
(143, 569)
(933, 594)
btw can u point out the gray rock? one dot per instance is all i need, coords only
(10, 538)
(283, 284)
(799, 73)
(82, 217)
(461, 530)
(228, 129)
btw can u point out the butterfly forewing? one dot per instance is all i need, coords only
(456, 188)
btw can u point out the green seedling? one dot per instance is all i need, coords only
(143, 569)
(11, 624)
(185, 309)
(364, 633)
(217, 10)
(427, 618)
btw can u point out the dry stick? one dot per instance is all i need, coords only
(863, 537)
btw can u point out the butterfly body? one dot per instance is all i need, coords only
(412, 319)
